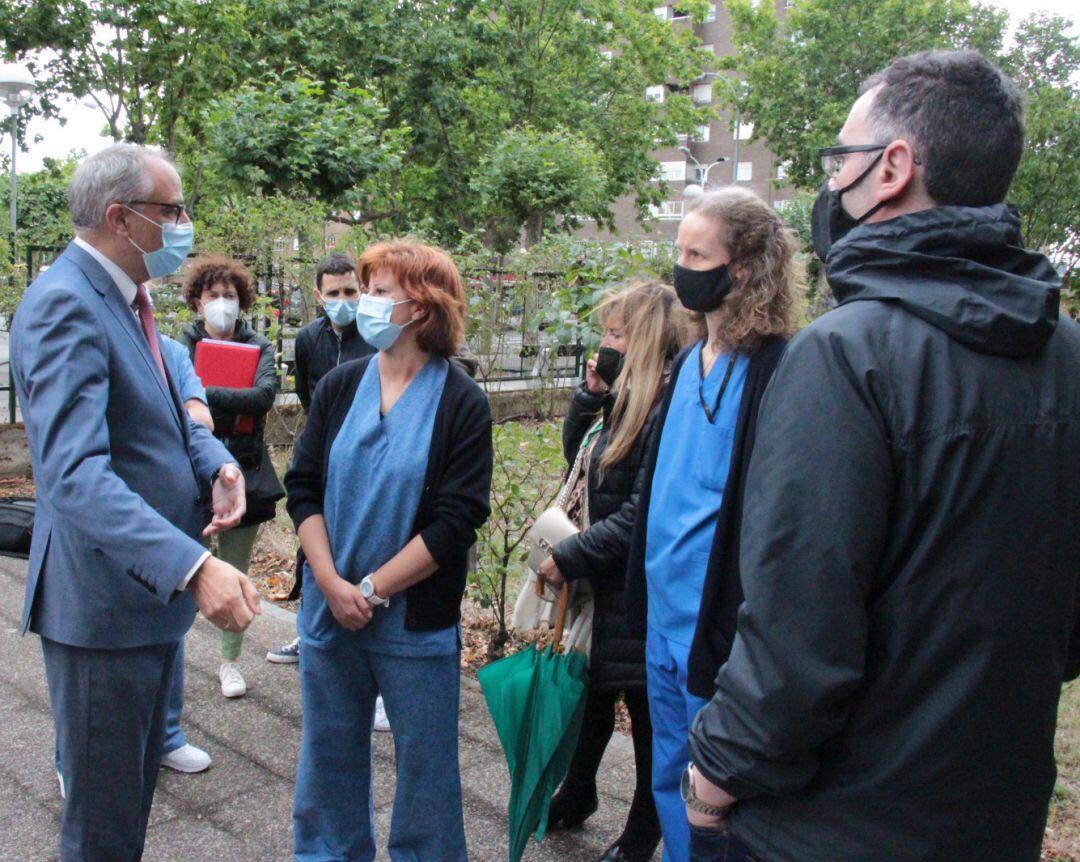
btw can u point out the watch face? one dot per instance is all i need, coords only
(366, 589)
(684, 784)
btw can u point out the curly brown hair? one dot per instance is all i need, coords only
(206, 271)
(767, 274)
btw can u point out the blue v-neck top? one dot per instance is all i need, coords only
(692, 467)
(374, 481)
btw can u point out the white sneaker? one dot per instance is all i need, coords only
(232, 681)
(60, 778)
(187, 758)
(382, 723)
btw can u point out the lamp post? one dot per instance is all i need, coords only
(16, 87)
(716, 76)
(696, 190)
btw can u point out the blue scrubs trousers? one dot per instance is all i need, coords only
(673, 709)
(333, 812)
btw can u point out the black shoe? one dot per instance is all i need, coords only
(569, 809)
(615, 853)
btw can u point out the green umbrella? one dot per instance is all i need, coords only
(536, 699)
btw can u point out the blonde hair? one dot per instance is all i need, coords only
(656, 327)
(766, 272)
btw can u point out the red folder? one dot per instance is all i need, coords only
(229, 364)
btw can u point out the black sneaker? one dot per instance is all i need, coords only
(287, 654)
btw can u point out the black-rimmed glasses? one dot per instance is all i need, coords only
(171, 212)
(832, 158)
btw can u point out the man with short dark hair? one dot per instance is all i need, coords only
(909, 552)
(331, 338)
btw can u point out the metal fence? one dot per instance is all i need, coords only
(510, 320)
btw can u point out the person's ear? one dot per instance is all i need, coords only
(419, 312)
(897, 171)
(319, 297)
(116, 216)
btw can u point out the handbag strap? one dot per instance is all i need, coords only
(582, 454)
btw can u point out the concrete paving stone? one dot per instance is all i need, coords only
(199, 839)
(265, 812)
(30, 830)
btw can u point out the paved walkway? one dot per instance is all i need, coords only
(240, 808)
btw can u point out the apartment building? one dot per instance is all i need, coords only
(746, 164)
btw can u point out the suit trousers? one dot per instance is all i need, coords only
(109, 708)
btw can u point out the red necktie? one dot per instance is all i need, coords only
(146, 318)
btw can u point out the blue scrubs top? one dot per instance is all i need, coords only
(687, 490)
(373, 486)
(178, 360)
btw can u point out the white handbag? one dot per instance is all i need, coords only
(536, 604)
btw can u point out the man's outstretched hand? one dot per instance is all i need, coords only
(229, 501)
(225, 595)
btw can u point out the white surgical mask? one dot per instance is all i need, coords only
(220, 314)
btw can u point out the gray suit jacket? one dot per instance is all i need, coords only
(122, 473)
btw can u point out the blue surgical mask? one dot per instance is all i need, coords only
(341, 312)
(176, 242)
(373, 321)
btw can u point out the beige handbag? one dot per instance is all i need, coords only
(537, 603)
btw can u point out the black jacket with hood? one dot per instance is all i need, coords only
(910, 558)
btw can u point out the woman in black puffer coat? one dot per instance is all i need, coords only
(607, 432)
(219, 290)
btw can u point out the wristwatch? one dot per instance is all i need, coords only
(686, 789)
(367, 590)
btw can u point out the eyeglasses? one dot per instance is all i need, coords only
(172, 212)
(832, 158)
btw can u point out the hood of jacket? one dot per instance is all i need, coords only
(963, 270)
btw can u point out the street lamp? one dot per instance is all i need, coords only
(696, 190)
(16, 88)
(716, 76)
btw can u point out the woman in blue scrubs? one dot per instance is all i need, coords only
(737, 270)
(389, 482)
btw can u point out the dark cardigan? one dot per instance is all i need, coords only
(722, 593)
(457, 486)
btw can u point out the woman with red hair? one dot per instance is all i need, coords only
(389, 482)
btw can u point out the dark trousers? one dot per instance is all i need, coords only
(109, 708)
(709, 846)
(642, 824)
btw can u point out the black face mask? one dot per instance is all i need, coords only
(702, 290)
(829, 221)
(609, 364)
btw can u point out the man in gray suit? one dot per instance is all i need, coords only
(126, 486)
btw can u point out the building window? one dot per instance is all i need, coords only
(607, 55)
(745, 172)
(660, 12)
(701, 134)
(667, 211)
(655, 94)
(678, 14)
(331, 240)
(782, 170)
(702, 93)
(745, 131)
(710, 16)
(280, 244)
(673, 172)
(780, 206)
